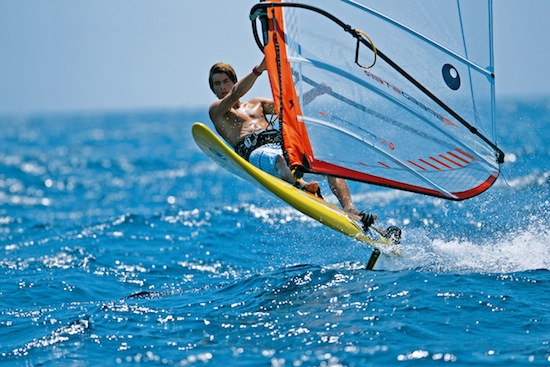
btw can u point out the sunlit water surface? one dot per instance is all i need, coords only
(122, 244)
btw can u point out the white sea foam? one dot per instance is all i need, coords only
(516, 250)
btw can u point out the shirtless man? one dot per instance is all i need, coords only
(235, 121)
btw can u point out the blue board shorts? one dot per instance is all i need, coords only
(265, 156)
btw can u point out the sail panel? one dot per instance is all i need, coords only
(401, 122)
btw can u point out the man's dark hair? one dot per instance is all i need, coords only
(222, 67)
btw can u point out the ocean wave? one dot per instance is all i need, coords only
(62, 335)
(511, 251)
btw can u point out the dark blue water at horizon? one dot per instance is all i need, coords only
(123, 244)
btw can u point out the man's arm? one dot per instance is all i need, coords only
(220, 107)
(267, 105)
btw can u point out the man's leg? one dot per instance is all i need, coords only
(286, 174)
(340, 188)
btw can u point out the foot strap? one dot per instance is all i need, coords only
(394, 234)
(367, 219)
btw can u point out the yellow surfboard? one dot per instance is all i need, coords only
(326, 213)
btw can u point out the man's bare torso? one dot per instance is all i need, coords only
(243, 119)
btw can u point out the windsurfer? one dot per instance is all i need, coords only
(244, 126)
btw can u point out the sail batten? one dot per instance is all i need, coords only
(420, 119)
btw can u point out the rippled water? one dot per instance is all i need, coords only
(122, 244)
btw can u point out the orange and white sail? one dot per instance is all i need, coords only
(394, 93)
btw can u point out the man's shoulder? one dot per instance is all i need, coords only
(216, 112)
(213, 105)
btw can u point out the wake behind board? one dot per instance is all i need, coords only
(326, 213)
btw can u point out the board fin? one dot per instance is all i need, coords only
(373, 259)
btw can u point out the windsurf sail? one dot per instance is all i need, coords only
(394, 93)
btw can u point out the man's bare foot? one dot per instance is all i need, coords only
(311, 187)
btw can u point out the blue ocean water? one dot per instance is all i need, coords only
(122, 244)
